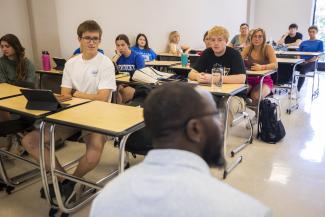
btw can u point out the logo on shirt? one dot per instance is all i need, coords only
(126, 68)
(94, 72)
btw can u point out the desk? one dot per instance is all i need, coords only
(17, 105)
(228, 91)
(293, 48)
(298, 53)
(262, 74)
(162, 64)
(8, 90)
(52, 72)
(96, 116)
(315, 92)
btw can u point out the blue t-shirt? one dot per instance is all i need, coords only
(311, 46)
(131, 63)
(147, 55)
(77, 51)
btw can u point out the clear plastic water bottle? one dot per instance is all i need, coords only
(184, 59)
(216, 77)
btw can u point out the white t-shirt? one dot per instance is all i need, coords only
(89, 76)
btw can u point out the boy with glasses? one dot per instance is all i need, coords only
(90, 75)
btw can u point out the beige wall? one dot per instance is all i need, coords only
(15, 19)
(155, 18)
(44, 28)
(276, 15)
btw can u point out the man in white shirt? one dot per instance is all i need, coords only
(174, 179)
(90, 75)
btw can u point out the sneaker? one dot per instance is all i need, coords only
(67, 190)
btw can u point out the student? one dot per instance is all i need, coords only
(126, 59)
(311, 45)
(174, 179)
(292, 37)
(259, 56)
(174, 47)
(206, 41)
(90, 75)
(15, 68)
(226, 56)
(142, 47)
(241, 40)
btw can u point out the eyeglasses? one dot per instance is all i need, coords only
(88, 39)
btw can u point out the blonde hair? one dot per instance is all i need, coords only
(263, 46)
(171, 35)
(219, 31)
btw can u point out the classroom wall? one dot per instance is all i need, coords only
(15, 20)
(153, 17)
(44, 28)
(275, 16)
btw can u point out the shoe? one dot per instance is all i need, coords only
(67, 190)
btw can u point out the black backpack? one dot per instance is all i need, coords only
(270, 127)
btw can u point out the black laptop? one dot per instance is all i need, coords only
(43, 100)
(59, 62)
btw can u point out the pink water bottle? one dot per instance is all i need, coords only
(46, 61)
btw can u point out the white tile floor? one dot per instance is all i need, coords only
(289, 176)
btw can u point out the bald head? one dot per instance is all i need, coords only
(180, 116)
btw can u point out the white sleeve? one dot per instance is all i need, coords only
(107, 77)
(66, 78)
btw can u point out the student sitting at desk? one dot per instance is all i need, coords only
(174, 179)
(90, 75)
(241, 40)
(259, 56)
(15, 68)
(311, 45)
(174, 47)
(226, 56)
(292, 37)
(126, 59)
(142, 47)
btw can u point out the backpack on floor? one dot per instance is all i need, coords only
(270, 127)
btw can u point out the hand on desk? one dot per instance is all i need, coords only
(204, 78)
(257, 67)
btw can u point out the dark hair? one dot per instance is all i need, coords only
(14, 42)
(146, 46)
(205, 35)
(313, 27)
(89, 26)
(243, 24)
(168, 108)
(124, 38)
(293, 26)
